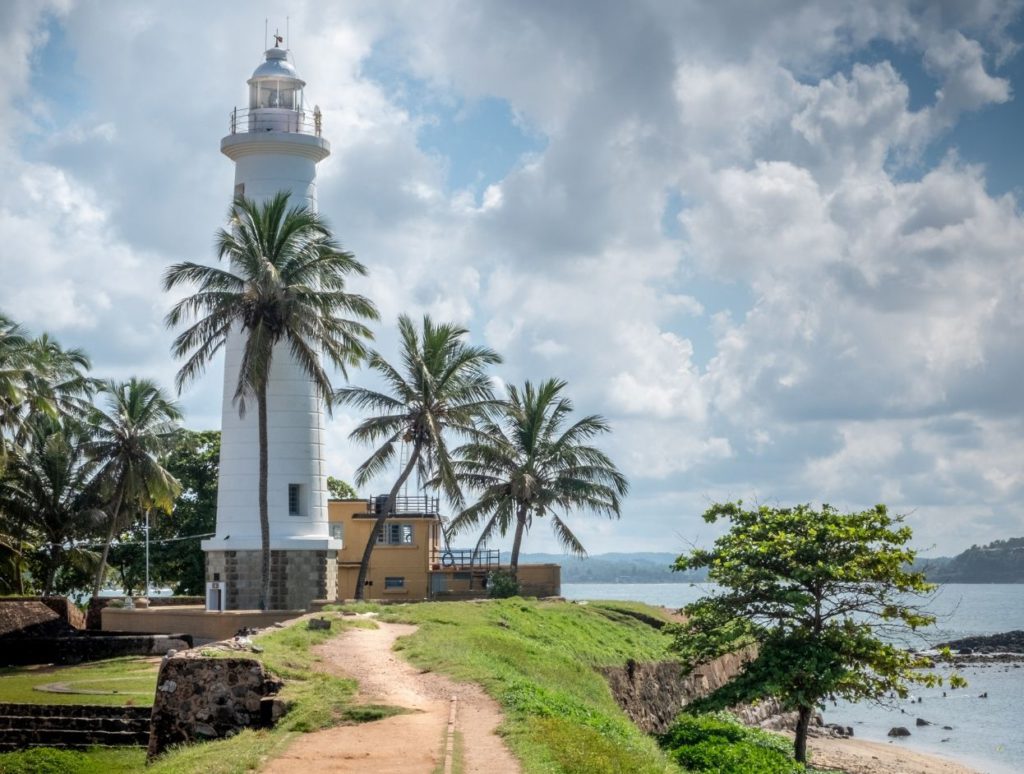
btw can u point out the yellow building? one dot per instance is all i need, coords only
(411, 560)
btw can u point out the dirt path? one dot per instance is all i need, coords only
(404, 744)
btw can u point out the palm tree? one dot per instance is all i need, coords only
(442, 386)
(285, 283)
(128, 441)
(526, 461)
(14, 359)
(51, 490)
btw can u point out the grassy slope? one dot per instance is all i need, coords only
(319, 700)
(537, 659)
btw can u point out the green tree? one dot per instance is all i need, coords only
(14, 359)
(128, 440)
(527, 460)
(175, 556)
(441, 387)
(50, 487)
(341, 490)
(37, 378)
(284, 285)
(812, 589)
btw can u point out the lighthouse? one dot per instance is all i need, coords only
(275, 144)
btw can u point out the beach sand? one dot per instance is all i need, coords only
(857, 756)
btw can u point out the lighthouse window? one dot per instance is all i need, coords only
(294, 500)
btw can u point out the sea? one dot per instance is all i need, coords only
(986, 733)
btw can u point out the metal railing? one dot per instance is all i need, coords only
(415, 504)
(465, 558)
(252, 120)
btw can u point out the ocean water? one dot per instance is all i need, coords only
(987, 733)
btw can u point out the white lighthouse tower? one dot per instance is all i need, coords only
(276, 144)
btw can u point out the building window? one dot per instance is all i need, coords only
(394, 582)
(337, 530)
(294, 500)
(239, 190)
(395, 535)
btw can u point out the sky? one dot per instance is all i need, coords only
(778, 245)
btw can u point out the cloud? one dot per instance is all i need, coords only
(741, 234)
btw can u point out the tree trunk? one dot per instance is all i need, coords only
(51, 572)
(101, 570)
(364, 564)
(800, 741)
(19, 565)
(261, 411)
(518, 542)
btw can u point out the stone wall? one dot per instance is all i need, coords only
(94, 618)
(652, 694)
(74, 726)
(199, 698)
(87, 646)
(30, 617)
(296, 577)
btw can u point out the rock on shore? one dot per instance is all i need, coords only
(1008, 642)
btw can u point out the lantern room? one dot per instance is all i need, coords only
(275, 84)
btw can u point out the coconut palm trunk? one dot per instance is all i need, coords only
(101, 570)
(261, 421)
(521, 513)
(378, 524)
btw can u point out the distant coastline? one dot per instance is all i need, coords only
(999, 562)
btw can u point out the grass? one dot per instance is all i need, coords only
(317, 700)
(131, 680)
(99, 760)
(538, 660)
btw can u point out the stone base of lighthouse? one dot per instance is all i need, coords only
(296, 579)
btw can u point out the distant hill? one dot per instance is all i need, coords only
(615, 568)
(998, 562)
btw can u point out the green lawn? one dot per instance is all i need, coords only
(537, 659)
(117, 682)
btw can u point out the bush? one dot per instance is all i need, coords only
(501, 584)
(720, 744)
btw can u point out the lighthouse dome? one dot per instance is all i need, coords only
(276, 66)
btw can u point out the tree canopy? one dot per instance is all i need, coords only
(528, 458)
(824, 595)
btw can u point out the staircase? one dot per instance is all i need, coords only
(72, 726)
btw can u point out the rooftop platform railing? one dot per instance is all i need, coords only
(466, 558)
(419, 505)
(252, 120)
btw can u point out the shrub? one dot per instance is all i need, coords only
(501, 584)
(720, 744)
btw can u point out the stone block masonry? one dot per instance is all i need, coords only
(71, 726)
(296, 577)
(199, 698)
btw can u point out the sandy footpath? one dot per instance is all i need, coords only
(857, 756)
(404, 744)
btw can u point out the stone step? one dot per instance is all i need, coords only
(74, 710)
(72, 724)
(72, 739)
